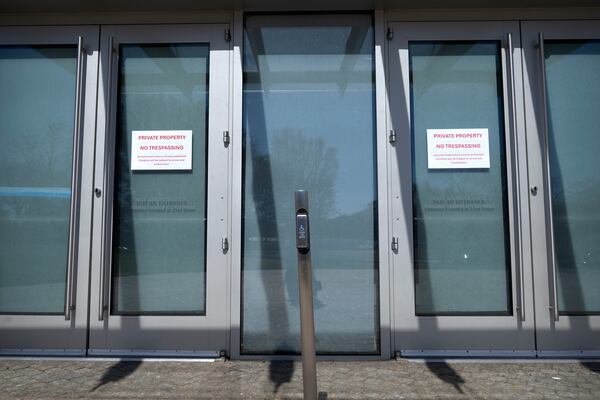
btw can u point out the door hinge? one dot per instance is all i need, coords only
(225, 245)
(394, 244)
(226, 138)
(392, 136)
(227, 35)
(390, 33)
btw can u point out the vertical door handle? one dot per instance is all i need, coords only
(553, 278)
(76, 161)
(106, 243)
(513, 124)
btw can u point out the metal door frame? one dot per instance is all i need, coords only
(511, 336)
(557, 335)
(64, 334)
(195, 336)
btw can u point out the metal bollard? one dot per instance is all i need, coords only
(307, 321)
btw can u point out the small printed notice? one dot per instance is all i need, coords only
(161, 150)
(458, 148)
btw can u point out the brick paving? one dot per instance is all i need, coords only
(109, 379)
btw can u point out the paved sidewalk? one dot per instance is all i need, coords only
(68, 379)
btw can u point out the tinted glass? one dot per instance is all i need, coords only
(461, 248)
(309, 124)
(160, 215)
(573, 85)
(37, 105)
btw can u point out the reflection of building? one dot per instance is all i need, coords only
(497, 257)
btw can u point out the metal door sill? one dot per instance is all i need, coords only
(569, 354)
(479, 354)
(157, 354)
(51, 353)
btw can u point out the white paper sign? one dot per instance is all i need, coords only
(458, 148)
(161, 150)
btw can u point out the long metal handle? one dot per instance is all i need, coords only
(554, 301)
(513, 123)
(106, 219)
(73, 214)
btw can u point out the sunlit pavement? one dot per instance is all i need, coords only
(60, 378)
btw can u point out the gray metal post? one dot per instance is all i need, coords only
(307, 322)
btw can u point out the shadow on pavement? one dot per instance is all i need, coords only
(443, 371)
(592, 366)
(117, 371)
(280, 372)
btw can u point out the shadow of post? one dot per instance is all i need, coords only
(117, 372)
(592, 366)
(263, 196)
(440, 369)
(123, 233)
(280, 372)
(443, 371)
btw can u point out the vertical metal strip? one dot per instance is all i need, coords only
(548, 192)
(519, 231)
(76, 162)
(106, 214)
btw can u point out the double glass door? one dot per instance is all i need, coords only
(460, 271)
(495, 187)
(562, 99)
(159, 271)
(127, 139)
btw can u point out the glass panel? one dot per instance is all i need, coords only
(37, 105)
(573, 85)
(309, 124)
(460, 214)
(160, 215)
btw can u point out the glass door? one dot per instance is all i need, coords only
(309, 124)
(562, 94)
(47, 76)
(159, 278)
(461, 279)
